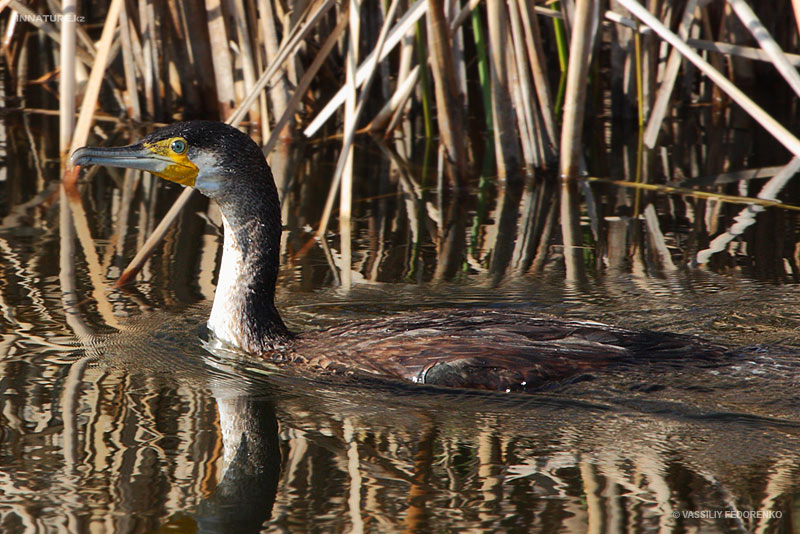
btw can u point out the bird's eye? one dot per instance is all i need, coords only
(178, 146)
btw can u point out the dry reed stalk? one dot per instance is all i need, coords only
(740, 51)
(279, 94)
(612, 17)
(66, 88)
(448, 109)
(261, 65)
(221, 57)
(796, 9)
(620, 44)
(522, 89)
(175, 93)
(586, 13)
(637, 61)
(768, 44)
(290, 21)
(136, 46)
(350, 132)
(8, 39)
(89, 102)
(520, 101)
(134, 109)
(395, 103)
(567, 8)
(397, 33)
(289, 46)
(181, 59)
(457, 46)
(546, 152)
(536, 61)
(711, 92)
(247, 56)
(406, 57)
(350, 120)
(199, 50)
(661, 104)
(152, 54)
(84, 40)
(755, 111)
(86, 55)
(98, 116)
(505, 138)
(304, 83)
(465, 12)
(400, 113)
(403, 74)
(236, 117)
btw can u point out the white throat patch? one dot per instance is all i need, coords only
(210, 176)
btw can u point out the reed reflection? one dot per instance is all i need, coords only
(136, 446)
(214, 439)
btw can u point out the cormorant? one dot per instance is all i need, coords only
(487, 349)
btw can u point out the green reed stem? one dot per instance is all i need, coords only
(424, 78)
(488, 169)
(562, 90)
(483, 72)
(562, 46)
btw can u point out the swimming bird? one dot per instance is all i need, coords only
(482, 348)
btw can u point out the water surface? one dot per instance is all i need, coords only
(122, 437)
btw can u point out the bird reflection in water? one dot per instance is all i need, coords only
(243, 499)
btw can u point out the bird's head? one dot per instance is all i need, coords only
(200, 154)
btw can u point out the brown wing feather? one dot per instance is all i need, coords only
(489, 349)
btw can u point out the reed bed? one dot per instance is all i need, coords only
(529, 106)
(514, 97)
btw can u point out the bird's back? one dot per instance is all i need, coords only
(490, 349)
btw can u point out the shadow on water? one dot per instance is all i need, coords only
(129, 435)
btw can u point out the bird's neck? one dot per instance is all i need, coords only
(244, 312)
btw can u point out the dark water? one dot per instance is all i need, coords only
(124, 437)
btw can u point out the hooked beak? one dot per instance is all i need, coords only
(126, 157)
(151, 157)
